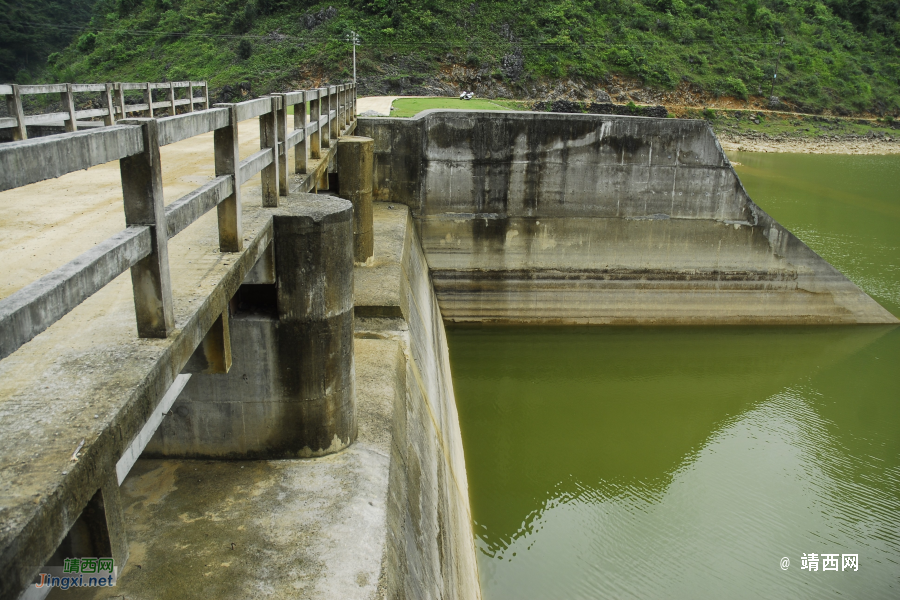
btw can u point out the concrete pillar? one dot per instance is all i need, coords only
(14, 107)
(100, 530)
(301, 150)
(335, 123)
(281, 151)
(355, 165)
(142, 193)
(290, 391)
(348, 91)
(148, 100)
(68, 100)
(325, 130)
(109, 119)
(314, 274)
(315, 112)
(170, 96)
(268, 138)
(228, 159)
(121, 94)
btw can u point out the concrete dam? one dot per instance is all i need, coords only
(289, 391)
(532, 217)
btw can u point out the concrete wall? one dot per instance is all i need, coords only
(597, 219)
(431, 548)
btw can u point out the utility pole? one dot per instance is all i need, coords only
(777, 58)
(353, 39)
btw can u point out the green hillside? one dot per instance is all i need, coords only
(30, 30)
(838, 55)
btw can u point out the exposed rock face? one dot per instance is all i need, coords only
(513, 65)
(236, 93)
(314, 19)
(601, 108)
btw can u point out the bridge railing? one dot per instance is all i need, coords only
(112, 98)
(142, 246)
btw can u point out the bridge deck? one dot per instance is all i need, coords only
(87, 385)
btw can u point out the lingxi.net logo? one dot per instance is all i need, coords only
(79, 572)
(829, 562)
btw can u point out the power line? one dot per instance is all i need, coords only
(376, 42)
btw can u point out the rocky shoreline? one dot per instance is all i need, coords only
(838, 144)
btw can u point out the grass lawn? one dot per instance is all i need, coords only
(408, 107)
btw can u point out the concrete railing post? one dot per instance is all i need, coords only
(355, 167)
(325, 130)
(14, 106)
(110, 117)
(143, 195)
(121, 92)
(268, 138)
(171, 97)
(190, 104)
(148, 99)
(314, 274)
(228, 159)
(347, 105)
(68, 100)
(281, 155)
(334, 123)
(205, 95)
(347, 93)
(315, 112)
(301, 150)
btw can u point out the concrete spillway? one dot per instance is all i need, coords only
(322, 332)
(533, 217)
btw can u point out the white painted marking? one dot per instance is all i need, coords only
(131, 454)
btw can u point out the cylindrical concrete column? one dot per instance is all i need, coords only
(314, 275)
(355, 165)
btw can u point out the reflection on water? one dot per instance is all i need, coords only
(615, 462)
(686, 462)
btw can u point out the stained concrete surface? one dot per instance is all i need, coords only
(553, 218)
(387, 517)
(299, 528)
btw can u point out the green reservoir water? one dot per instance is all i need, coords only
(687, 462)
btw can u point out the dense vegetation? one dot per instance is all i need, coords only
(840, 55)
(30, 30)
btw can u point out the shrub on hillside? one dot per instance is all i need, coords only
(733, 86)
(244, 49)
(86, 43)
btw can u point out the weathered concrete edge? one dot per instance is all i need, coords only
(27, 547)
(34, 308)
(785, 242)
(443, 537)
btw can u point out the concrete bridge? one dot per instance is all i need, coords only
(299, 331)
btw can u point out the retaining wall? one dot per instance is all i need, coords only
(431, 548)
